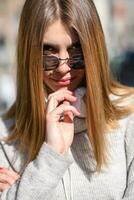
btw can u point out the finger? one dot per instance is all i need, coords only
(4, 186)
(55, 100)
(10, 173)
(64, 89)
(4, 178)
(60, 110)
(60, 91)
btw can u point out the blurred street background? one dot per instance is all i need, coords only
(117, 17)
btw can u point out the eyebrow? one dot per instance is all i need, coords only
(77, 44)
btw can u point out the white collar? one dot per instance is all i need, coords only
(79, 122)
(80, 104)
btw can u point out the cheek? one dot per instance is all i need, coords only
(82, 79)
(46, 76)
(81, 74)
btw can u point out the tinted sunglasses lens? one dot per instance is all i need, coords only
(77, 62)
(50, 62)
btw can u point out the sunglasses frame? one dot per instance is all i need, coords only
(78, 64)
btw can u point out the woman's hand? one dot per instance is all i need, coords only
(7, 178)
(59, 120)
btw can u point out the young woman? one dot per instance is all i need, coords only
(70, 133)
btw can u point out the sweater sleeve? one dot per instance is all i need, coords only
(129, 144)
(40, 177)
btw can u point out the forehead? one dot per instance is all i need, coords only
(59, 34)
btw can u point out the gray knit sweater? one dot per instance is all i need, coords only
(52, 176)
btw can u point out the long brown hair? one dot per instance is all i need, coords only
(29, 108)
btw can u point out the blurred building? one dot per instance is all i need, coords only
(117, 20)
(9, 17)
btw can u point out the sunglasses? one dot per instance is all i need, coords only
(51, 62)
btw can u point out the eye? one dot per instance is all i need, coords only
(47, 49)
(75, 48)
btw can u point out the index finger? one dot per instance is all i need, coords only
(58, 99)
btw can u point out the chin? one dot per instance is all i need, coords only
(54, 87)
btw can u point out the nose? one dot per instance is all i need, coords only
(63, 67)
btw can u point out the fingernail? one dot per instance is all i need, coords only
(79, 112)
(74, 96)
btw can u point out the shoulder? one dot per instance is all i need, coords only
(5, 125)
(123, 100)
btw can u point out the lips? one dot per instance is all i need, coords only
(64, 81)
